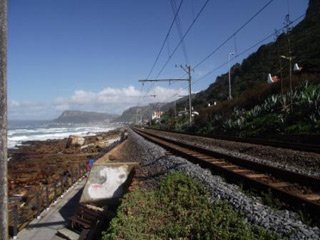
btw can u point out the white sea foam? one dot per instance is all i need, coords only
(17, 136)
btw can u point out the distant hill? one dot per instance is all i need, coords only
(80, 117)
(304, 46)
(141, 112)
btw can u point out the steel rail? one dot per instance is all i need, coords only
(294, 188)
(306, 147)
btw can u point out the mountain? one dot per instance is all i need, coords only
(301, 42)
(82, 117)
(137, 113)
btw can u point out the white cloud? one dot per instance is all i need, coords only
(111, 100)
(27, 110)
(115, 100)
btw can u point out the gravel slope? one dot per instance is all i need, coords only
(156, 162)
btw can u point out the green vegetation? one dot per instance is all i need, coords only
(258, 108)
(302, 41)
(298, 113)
(179, 209)
(264, 113)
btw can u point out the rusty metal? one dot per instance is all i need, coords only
(288, 186)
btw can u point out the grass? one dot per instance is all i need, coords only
(179, 209)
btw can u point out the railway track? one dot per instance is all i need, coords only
(300, 191)
(306, 147)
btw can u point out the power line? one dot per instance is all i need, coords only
(184, 36)
(180, 42)
(161, 49)
(241, 53)
(166, 38)
(233, 34)
(178, 25)
(248, 49)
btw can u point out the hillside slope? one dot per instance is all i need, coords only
(78, 117)
(137, 113)
(304, 46)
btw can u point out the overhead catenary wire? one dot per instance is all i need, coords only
(247, 49)
(241, 53)
(165, 39)
(179, 43)
(179, 30)
(161, 49)
(183, 37)
(233, 34)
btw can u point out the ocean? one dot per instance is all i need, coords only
(21, 131)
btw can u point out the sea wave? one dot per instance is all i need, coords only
(17, 136)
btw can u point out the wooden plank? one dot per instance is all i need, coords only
(230, 166)
(256, 175)
(311, 197)
(208, 158)
(241, 170)
(280, 184)
(218, 162)
(84, 234)
(82, 222)
(68, 234)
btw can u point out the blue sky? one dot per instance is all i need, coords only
(90, 54)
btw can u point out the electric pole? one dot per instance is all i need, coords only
(3, 123)
(229, 75)
(187, 69)
(290, 57)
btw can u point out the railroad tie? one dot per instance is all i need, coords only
(208, 159)
(231, 167)
(241, 170)
(218, 162)
(256, 175)
(280, 184)
(311, 197)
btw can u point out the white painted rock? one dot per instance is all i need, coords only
(76, 141)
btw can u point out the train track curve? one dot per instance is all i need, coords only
(307, 147)
(296, 189)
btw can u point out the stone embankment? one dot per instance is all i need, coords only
(156, 162)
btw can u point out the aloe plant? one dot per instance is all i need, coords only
(296, 112)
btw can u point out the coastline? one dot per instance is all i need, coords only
(43, 169)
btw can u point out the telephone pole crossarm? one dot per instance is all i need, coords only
(187, 69)
(164, 80)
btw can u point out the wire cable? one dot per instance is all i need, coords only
(178, 25)
(233, 34)
(184, 36)
(239, 54)
(246, 50)
(166, 38)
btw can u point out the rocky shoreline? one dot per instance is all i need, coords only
(38, 171)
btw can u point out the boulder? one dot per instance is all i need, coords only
(75, 141)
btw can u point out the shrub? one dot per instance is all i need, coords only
(179, 209)
(291, 113)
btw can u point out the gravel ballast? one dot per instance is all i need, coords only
(307, 163)
(156, 162)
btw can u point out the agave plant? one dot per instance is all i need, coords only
(285, 104)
